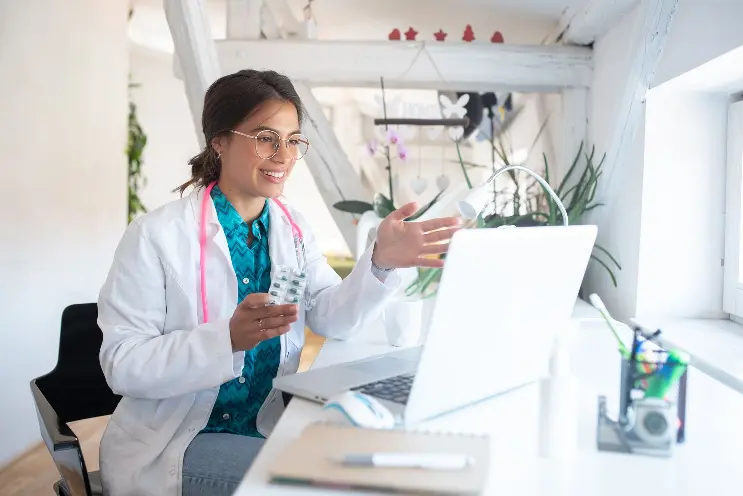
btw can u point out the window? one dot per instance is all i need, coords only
(733, 274)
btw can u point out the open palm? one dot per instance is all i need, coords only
(402, 244)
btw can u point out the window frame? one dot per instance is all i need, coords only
(732, 301)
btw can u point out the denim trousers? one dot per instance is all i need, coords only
(215, 463)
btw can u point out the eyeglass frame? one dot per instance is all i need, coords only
(285, 140)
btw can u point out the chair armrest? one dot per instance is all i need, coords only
(56, 433)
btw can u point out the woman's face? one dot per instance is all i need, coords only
(247, 164)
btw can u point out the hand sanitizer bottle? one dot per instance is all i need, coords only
(558, 415)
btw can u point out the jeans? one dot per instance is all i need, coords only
(215, 463)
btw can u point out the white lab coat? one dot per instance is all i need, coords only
(168, 365)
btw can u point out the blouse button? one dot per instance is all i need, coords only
(241, 380)
(226, 416)
(246, 280)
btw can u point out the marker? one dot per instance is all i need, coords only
(430, 461)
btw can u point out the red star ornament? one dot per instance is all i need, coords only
(469, 35)
(497, 37)
(410, 34)
(440, 35)
(394, 34)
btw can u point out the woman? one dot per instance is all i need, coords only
(189, 339)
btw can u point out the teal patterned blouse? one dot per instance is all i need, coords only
(239, 400)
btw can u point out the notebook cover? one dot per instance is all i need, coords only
(312, 459)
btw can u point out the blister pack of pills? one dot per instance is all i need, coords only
(287, 286)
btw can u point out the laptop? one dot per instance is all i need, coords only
(503, 295)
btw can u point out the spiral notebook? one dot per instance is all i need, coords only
(312, 460)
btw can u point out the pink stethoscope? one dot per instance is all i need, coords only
(296, 232)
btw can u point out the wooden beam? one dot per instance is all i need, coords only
(655, 20)
(196, 52)
(244, 19)
(581, 25)
(416, 64)
(334, 175)
(283, 16)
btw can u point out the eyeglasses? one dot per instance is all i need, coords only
(267, 144)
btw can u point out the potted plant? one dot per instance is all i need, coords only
(533, 209)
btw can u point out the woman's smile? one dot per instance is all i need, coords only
(274, 176)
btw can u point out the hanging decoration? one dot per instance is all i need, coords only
(440, 35)
(410, 34)
(454, 110)
(469, 35)
(497, 37)
(394, 34)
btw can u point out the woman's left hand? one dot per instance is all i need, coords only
(403, 244)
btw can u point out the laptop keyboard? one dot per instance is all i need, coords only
(395, 389)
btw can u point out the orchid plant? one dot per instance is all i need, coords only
(393, 148)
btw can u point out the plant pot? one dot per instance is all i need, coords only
(403, 322)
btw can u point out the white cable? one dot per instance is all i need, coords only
(475, 202)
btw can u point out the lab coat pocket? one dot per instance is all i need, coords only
(147, 420)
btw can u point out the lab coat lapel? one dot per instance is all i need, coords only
(214, 229)
(220, 275)
(280, 238)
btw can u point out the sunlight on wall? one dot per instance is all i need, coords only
(302, 193)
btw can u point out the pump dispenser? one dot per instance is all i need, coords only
(558, 415)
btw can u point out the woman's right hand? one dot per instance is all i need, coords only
(255, 320)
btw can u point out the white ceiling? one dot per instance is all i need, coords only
(547, 8)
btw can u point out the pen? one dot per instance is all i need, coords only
(432, 461)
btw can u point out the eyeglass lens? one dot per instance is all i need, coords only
(267, 145)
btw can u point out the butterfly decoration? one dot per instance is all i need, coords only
(452, 110)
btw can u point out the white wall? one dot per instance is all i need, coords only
(682, 227)
(163, 113)
(702, 30)
(63, 134)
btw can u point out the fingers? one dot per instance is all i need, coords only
(276, 322)
(441, 223)
(275, 311)
(433, 263)
(436, 249)
(275, 331)
(404, 212)
(440, 235)
(256, 300)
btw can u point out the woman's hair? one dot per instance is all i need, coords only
(228, 101)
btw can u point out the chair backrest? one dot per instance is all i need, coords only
(76, 389)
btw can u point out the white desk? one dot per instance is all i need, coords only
(708, 463)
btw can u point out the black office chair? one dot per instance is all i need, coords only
(75, 390)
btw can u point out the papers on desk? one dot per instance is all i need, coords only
(317, 458)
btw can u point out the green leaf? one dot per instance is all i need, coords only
(383, 206)
(564, 181)
(461, 164)
(591, 207)
(353, 206)
(425, 208)
(606, 252)
(603, 264)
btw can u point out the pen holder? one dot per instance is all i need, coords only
(652, 405)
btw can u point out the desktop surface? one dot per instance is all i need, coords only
(706, 464)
